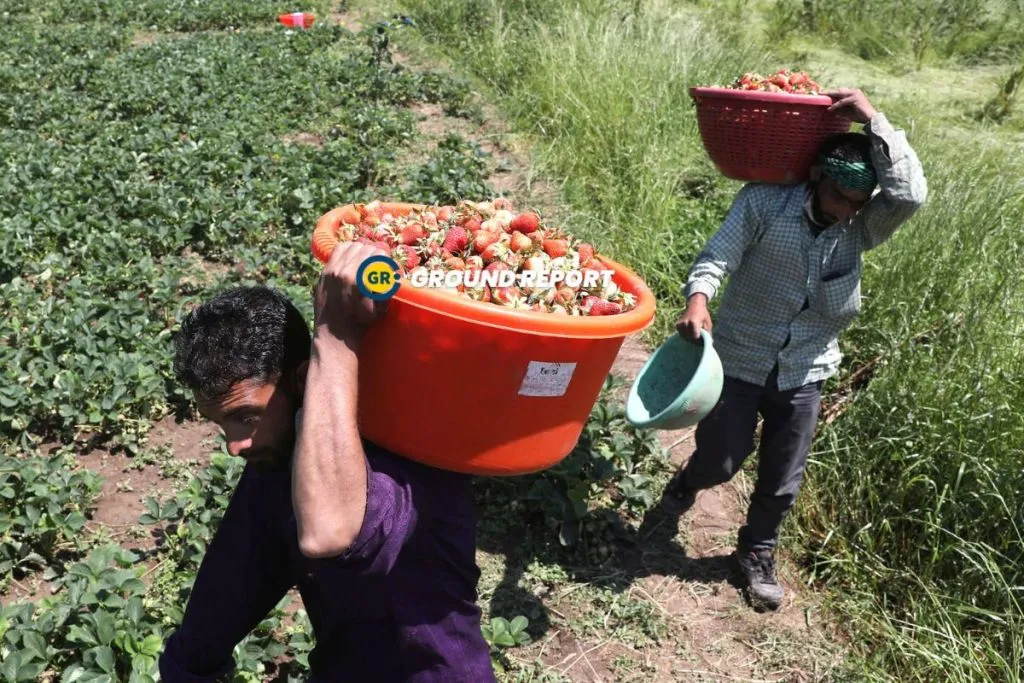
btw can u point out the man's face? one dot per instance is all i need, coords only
(258, 420)
(835, 203)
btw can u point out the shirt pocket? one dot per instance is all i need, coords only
(839, 295)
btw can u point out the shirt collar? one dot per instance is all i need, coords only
(808, 209)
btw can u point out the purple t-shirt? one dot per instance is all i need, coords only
(399, 605)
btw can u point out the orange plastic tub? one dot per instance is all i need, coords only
(478, 388)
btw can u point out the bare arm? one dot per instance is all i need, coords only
(329, 468)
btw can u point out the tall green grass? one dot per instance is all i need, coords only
(913, 506)
(910, 32)
(918, 490)
(604, 89)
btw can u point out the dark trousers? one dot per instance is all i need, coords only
(725, 438)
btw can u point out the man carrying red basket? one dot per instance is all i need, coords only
(793, 256)
(381, 548)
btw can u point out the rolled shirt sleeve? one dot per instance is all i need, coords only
(902, 188)
(389, 521)
(724, 251)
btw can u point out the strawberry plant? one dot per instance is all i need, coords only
(138, 174)
(614, 467)
(612, 476)
(45, 501)
(456, 169)
(500, 633)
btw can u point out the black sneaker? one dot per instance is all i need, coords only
(683, 494)
(759, 570)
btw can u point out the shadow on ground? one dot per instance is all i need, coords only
(526, 534)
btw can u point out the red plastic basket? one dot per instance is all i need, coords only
(764, 136)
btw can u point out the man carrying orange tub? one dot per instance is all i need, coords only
(793, 255)
(381, 548)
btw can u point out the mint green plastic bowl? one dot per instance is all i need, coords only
(677, 386)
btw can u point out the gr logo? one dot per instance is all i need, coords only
(378, 277)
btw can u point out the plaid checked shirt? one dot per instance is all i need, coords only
(791, 293)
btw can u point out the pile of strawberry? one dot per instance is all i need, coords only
(490, 236)
(783, 80)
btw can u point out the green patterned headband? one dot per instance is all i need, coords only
(853, 175)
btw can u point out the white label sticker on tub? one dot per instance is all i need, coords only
(546, 379)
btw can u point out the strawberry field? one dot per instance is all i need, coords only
(156, 151)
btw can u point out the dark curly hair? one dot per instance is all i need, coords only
(243, 333)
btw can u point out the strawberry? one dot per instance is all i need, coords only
(383, 246)
(492, 225)
(586, 252)
(594, 305)
(556, 248)
(429, 219)
(456, 240)
(346, 232)
(435, 263)
(495, 266)
(511, 258)
(411, 234)
(536, 262)
(482, 293)
(545, 296)
(454, 263)
(482, 240)
(495, 251)
(525, 223)
(471, 223)
(503, 218)
(564, 295)
(504, 295)
(518, 303)
(520, 242)
(382, 233)
(502, 204)
(537, 236)
(371, 209)
(445, 213)
(474, 263)
(406, 257)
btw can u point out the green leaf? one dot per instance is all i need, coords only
(505, 640)
(82, 636)
(134, 611)
(519, 625)
(105, 659)
(151, 645)
(105, 627)
(29, 671)
(35, 644)
(11, 665)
